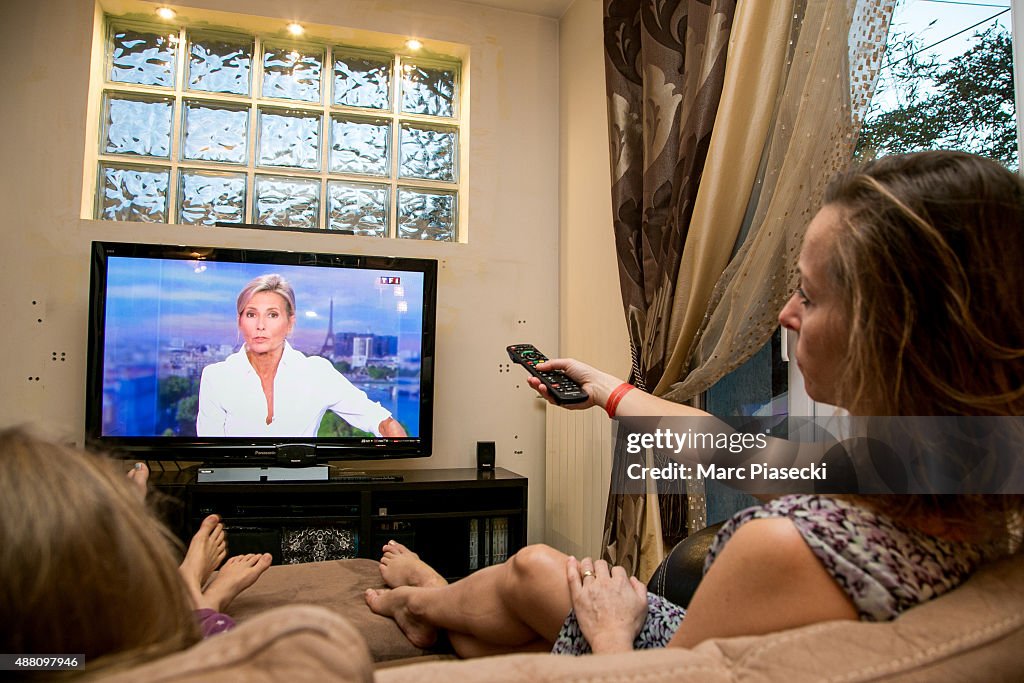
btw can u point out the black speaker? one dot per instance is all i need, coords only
(485, 455)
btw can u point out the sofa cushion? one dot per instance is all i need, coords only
(975, 632)
(295, 644)
(337, 585)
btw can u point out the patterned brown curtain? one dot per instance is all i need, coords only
(785, 110)
(665, 63)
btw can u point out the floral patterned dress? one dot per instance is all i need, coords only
(884, 568)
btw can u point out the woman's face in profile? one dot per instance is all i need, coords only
(265, 323)
(814, 311)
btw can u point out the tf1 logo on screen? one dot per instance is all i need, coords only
(389, 280)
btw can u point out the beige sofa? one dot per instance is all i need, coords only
(975, 633)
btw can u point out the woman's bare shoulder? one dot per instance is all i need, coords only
(765, 579)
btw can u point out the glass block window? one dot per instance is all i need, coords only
(289, 138)
(427, 90)
(215, 132)
(218, 127)
(428, 153)
(142, 56)
(360, 146)
(425, 215)
(361, 208)
(291, 73)
(137, 125)
(220, 64)
(361, 80)
(207, 197)
(133, 193)
(287, 202)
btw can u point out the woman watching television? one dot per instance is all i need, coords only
(88, 569)
(910, 302)
(267, 388)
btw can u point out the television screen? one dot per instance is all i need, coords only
(236, 353)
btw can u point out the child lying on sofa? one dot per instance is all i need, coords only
(909, 303)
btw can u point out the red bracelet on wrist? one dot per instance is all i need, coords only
(613, 398)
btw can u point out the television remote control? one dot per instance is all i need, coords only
(560, 386)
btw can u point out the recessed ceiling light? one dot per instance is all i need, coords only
(413, 44)
(296, 29)
(166, 13)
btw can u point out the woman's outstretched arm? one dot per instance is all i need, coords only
(600, 385)
(634, 403)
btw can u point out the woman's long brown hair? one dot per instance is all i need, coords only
(929, 259)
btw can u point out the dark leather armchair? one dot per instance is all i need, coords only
(676, 578)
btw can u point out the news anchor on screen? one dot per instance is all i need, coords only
(267, 388)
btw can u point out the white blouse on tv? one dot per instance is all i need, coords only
(232, 403)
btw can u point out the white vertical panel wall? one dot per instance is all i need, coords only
(579, 447)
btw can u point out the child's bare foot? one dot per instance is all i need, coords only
(138, 475)
(237, 574)
(402, 567)
(206, 551)
(394, 603)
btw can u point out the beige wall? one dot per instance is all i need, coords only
(591, 322)
(502, 287)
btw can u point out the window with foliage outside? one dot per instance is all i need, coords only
(208, 127)
(946, 82)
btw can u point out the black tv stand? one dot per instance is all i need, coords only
(458, 520)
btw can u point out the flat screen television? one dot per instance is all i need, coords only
(171, 360)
